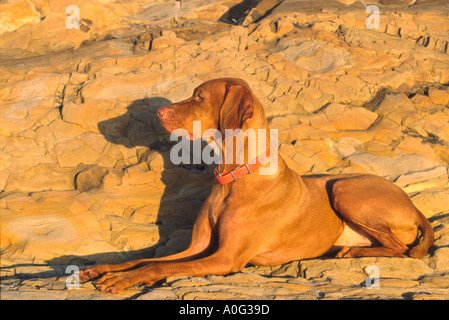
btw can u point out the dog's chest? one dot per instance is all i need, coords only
(216, 207)
(215, 210)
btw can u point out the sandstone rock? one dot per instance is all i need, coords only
(264, 33)
(391, 167)
(111, 179)
(423, 102)
(160, 11)
(311, 99)
(16, 14)
(440, 259)
(432, 201)
(72, 152)
(344, 147)
(417, 181)
(415, 145)
(396, 107)
(284, 26)
(159, 294)
(262, 8)
(392, 30)
(156, 162)
(48, 228)
(104, 111)
(337, 117)
(355, 268)
(167, 38)
(89, 178)
(432, 126)
(64, 130)
(440, 97)
(136, 237)
(44, 176)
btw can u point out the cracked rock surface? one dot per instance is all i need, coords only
(85, 174)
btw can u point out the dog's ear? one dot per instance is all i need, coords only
(236, 108)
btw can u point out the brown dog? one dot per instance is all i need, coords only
(273, 219)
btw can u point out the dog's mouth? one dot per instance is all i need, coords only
(172, 126)
(188, 135)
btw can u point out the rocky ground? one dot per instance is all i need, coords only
(84, 167)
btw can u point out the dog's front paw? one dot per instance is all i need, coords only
(116, 282)
(93, 272)
(88, 274)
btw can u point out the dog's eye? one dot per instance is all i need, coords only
(200, 97)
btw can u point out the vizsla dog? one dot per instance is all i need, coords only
(273, 219)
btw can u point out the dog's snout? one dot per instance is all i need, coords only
(161, 112)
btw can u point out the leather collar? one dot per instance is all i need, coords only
(242, 170)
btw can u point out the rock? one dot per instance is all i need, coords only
(337, 117)
(160, 11)
(432, 201)
(392, 30)
(311, 99)
(355, 269)
(288, 270)
(104, 111)
(44, 176)
(432, 126)
(284, 26)
(72, 152)
(440, 97)
(9, 18)
(49, 228)
(414, 145)
(136, 237)
(344, 147)
(261, 9)
(155, 162)
(440, 259)
(396, 107)
(167, 38)
(158, 294)
(418, 181)
(391, 167)
(90, 178)
(111, 179)
(423, 103)
(63, 130)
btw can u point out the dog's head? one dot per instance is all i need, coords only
(219, 104)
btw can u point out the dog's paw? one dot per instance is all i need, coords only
(93, 272)
(116, 282)
(88, 274)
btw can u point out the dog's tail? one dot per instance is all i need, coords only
(426, 229)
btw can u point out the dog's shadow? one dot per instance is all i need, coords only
(186, 186)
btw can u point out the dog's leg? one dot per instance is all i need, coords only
(193, 252)
(376, 207)
(219, 263)
(390, 245)
(202, 242)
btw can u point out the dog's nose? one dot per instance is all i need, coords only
(161, 112)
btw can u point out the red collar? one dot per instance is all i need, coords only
(242, 170)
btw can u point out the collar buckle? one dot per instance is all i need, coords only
(237, 168)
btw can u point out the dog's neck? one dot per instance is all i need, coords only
(256, 137)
